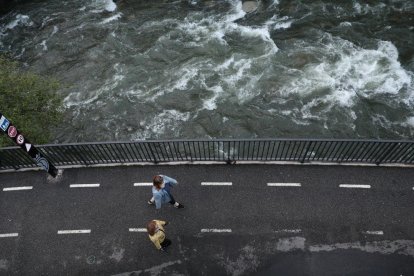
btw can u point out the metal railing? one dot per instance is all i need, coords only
(225, 150)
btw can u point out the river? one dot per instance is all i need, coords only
(206, 69)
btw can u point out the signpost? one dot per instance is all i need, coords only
(11, 131)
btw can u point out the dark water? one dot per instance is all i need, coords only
(197, 69)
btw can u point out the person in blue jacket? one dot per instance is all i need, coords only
(161, 191)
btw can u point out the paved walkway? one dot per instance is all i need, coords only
(265, 220)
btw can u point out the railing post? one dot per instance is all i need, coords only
(152, 153)
(228, 151)
(75, 152)
(11, 160)
(306, 152)
(386, 154)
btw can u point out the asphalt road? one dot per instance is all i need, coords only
(312, 227)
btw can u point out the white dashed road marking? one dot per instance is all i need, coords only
(355, 186)
(142, 184)
(9, 235)
(85, 185)
(137, 230)
(215, 230)
(295, 231)
(216, 183)
(17, 188)
(374, 232)
(284, 184)
(62, 232)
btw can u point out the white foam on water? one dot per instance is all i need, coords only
(159, 23)
(219, 36)
(112, 18)
(261, 32)
(45, 20)
(357, 7)
(164, 122)
(211, 103)
(55, 30)
(110, 6)
(345, 24)
(366, 8)
(410, 121)
(20, 20)
(282, 25)
(276, 23)
(354, 72)
(237, 77)
(99, 6)
(237, 12)
(385, 123)
(226, 64)
(44, 46)
(274, 3)
(238, 74)
(241, 66)
(87, 97)
(181, 79)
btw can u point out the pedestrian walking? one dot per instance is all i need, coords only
(161, 192)
(156, 233)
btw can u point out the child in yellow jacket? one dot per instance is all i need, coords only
(156, 233)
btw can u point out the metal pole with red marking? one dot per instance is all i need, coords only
(11, 131)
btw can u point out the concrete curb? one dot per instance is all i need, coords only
(180, 163)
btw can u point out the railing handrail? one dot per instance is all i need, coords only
(223, 150)
(219, 140)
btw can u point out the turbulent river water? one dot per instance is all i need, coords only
(196, 69)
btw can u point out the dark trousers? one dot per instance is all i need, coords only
(165, 243)
(172, 201)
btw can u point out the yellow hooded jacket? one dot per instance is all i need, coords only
(159, 235)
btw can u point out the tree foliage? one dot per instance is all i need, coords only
(29, 101)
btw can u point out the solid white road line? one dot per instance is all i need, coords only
(62, 232)
(142, 184)
(9, 235)
(216, 183)
(284, 184)
(215, 230)
(17, 188)
(137, 230)
(84, 185)
(357, 186)
(374, 232)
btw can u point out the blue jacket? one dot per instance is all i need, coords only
(163, 195)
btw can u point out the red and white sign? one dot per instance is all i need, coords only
(12, 131)
(20, 139)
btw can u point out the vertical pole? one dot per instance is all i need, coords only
(11, 131)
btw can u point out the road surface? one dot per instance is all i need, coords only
(237, 220)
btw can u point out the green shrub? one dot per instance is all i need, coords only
(29, 101)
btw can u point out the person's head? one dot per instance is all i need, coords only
(151, 227)
(157, 181)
